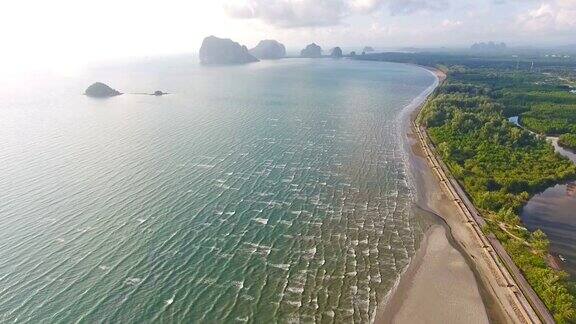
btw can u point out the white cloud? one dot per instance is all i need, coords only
(549, 16)
(365, 6)
(314, 13)
(290, 13)
(71, 32)
(451, 24)
(405, 7)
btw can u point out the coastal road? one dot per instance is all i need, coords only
(529, 307)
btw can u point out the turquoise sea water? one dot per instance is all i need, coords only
(271, 191)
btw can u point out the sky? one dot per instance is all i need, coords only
(68, 33)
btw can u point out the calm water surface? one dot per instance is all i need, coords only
(554, 212)
(276, 190)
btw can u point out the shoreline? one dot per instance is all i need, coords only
(463, 285)
(403, 304)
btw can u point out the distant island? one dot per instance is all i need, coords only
(269, 50)
(311, 50)
(101, 90)
(368, 49)
(216, 50)
(336, 52)
(488, 47)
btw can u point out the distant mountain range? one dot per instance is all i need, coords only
(488, 47)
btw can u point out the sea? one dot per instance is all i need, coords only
(278, 191)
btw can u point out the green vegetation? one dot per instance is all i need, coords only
(500, 165)
(551, 119)
(568, 140)
(536, 88)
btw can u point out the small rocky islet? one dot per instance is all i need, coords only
(336, 52)
(216, 51)
(101, 90)
(269, 49)
(311, 51)
(222, 51)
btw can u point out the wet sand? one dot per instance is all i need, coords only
(438, 286)
(441, 288)
(448, 281)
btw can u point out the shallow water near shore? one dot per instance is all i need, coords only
(276, 190)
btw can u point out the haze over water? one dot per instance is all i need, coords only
(276, 190)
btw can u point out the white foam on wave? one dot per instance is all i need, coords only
(238, 284)
(262, 221)
(207, 281)
(295, 290)
(285, 222)
(310, 253)
(294, 303)
(353, 290)
(169, 302)
(247, 297)
(283, 266)
(132, 281)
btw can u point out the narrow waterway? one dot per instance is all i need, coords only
(554, 212)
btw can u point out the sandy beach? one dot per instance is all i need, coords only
(441, 270)
(450, 279)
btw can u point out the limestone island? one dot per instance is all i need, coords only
(311, 50)
(101, 90)
(336, 52)
(159, 93)
(269, 50)
(368, 49)
(216, 50)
